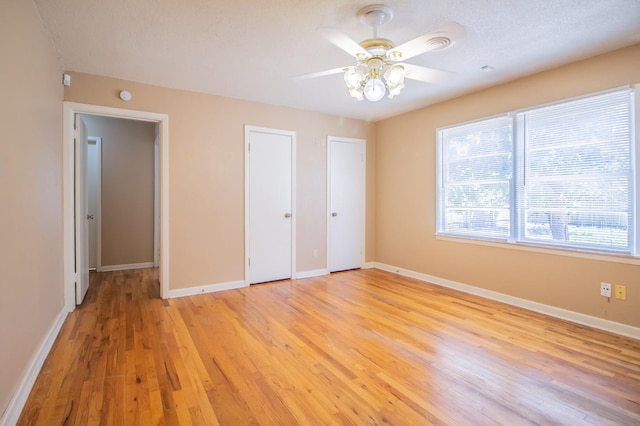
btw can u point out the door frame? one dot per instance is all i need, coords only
(98, 215)
(70, 109)
(247, 231)
(363, 143)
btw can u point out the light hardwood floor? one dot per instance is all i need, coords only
(358, 347)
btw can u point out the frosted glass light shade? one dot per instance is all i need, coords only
(395, 75)
(374, 90)
(353, 78)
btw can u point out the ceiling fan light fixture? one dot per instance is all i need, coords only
(353, 78)
(374, 80)
(374, 90)
(358, 93)
(394, 75)
(393, 91)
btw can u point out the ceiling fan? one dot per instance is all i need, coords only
(378, 70)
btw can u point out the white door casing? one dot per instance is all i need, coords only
(70, 109)
(94, 185)
(269, 204)
(81, 211)
(346, 174)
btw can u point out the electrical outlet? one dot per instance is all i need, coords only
(605, 289)
(621, 291)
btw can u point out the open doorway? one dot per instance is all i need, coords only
(121, 188)
(161, 206)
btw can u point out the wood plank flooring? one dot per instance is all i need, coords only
(358, 347)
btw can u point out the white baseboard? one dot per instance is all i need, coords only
(110, 268)
(588, 320)
(14, 409)
(210, 288)
(311, 274)
(369, 265)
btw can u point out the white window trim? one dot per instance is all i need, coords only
(635, 154)
(541, 248)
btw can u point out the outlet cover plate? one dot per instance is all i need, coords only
(605, 289)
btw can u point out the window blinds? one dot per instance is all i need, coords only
(577, 172)
(477, 171)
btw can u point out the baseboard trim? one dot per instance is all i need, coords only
(14, 409)
(369, 265)
(209, 288)
(311, 274)
(111, 268)
(576, 317)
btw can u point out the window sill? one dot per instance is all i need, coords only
(616, 258)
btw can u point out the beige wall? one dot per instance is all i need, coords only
(127, 188)
(206, 174)
(405, 199)
(30, 191)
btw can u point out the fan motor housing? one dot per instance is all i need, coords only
(377, 46)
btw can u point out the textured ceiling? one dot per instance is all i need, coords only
(251, 49)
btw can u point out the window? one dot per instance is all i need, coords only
(559, 175)
(476, 177)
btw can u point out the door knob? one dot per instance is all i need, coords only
(90, 216)
(287, 215)
(334, 214)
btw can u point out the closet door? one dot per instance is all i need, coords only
(346, 193)
(269, 223)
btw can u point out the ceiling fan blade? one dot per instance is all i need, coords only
(345, 43)
(427, 75)
(432, 40)
(320, 73)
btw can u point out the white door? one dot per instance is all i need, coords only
(94, 188)
(269, 215)
(346, 197)
(81, 211)
(156, 198)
